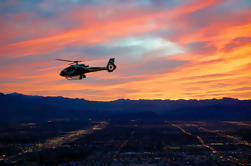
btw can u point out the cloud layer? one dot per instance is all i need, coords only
(163, 49)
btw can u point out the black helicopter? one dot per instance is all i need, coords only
(77, 71)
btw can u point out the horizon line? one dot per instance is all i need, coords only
(125, 98)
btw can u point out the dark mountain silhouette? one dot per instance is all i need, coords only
(17, 107)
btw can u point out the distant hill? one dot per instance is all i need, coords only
(17, 107)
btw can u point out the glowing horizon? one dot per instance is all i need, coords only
(163, 49)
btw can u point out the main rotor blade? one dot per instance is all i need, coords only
(64, 60)
(68, 60)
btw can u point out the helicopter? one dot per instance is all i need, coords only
(77, 71)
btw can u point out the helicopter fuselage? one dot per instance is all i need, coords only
(78, 71)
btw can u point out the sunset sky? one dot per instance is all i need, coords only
(163, 49)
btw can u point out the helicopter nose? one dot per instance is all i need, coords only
(62, 73)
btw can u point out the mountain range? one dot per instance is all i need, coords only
(18, 108)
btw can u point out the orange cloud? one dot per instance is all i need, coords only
(223, 72)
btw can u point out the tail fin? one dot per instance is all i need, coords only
(110, 65)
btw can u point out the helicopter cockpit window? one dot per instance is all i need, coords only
(70, 69)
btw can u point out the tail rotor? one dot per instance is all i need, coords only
(110, 65)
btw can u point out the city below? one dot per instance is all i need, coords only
(126, 143)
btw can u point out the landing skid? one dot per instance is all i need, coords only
(82, 76)
(76, 77)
